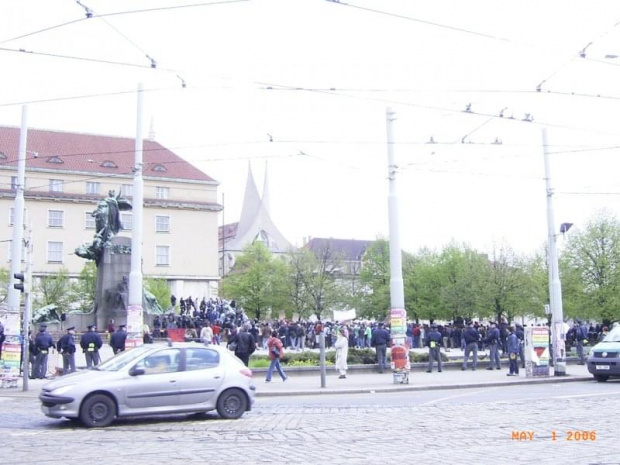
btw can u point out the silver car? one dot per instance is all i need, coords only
(153, 380)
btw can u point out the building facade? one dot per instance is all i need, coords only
(68, 173)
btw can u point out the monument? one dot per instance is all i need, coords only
(112, 255)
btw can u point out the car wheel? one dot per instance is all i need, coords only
(601, 378)
(231, 404)
(97, 411)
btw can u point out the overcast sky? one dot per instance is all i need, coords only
(304, 85)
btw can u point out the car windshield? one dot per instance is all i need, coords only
(121, 360)
(613, 336)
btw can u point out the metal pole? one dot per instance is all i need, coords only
(134, 311)
(398, 315)
(26, 319)
(9, 312)
(555, 286)
(322, 359)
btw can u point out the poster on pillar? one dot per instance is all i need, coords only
(536, 351)
(134, 326)
(398, 322)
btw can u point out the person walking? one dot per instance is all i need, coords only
(470, 339)
(206, 334)
(117, 340)
(90, 343)
(276, 352)
(342, 352)
(244, 344)
(512, 343)
(66, 346)
(492, 342)
(379, 340)
(43, 342)
(433, 342)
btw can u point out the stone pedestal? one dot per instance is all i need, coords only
(113, 283)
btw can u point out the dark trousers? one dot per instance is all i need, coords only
(514, 364)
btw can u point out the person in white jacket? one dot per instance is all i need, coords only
(342, 351)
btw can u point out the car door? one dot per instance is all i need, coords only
(202, 378)
(158, 387)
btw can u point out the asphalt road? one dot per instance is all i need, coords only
(543, 424)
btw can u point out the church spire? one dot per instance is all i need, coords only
(265, 198)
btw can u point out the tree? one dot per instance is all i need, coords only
(318, 271)
(375, 279)
(463, 276)
(85, 288)
(160, 289)
(299, 264)
(4, 284)
(590, 269)
(510, 288)
(55, 290)
(257, 281)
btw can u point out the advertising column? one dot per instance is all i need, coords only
(536, 351)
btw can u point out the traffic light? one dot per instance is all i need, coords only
(19, 286)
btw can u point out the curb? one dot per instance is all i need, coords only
(436, 387)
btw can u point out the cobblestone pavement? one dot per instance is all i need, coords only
(298, 433)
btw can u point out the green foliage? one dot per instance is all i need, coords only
(54, 289)
(375, 277)
(258, 280)
(313, 280)
(590, 270)
(85, 287)
(160, 289)
(4, 283)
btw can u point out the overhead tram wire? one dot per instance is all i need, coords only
(422, 21)
(118, 13)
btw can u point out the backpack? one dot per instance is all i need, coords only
(275, 351)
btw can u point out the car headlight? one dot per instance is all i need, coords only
(62, 390)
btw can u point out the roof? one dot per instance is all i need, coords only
(67, 151)
(350, 249)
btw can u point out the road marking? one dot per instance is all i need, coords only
(457, 396)
(593, 394)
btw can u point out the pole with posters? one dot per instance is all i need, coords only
(398, 316)
(135, 317)
(10, 311)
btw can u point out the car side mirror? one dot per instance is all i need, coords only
(136, 371)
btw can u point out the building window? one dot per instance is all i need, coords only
(162, 224)
(12, 215)
(13, 183)
(126, 190)
(55, 218)
(54, 252)
(56, 185)
(127, 221)
(160, 168)
(108, 164)
(162, 255)
(162, 192)
(92, 188)
(90, 221)
(54, 160)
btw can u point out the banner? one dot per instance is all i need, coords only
(344, 315)
(536, 351)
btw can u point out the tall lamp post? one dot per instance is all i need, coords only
(555, 286)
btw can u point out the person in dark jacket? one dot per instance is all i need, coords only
(513, 353)
(470, 339)
(117, 340)
(91, 342)
(43, 342)
(492, 342)
(379, 340)
(66, 346)
(433, 342)
(244, 344)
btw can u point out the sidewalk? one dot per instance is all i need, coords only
(360, 378)
(361, 382)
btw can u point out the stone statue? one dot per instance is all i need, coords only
(107, 223)
(117, 298)
(150, 304)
